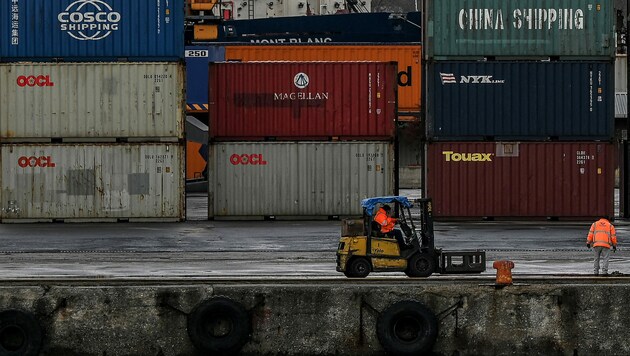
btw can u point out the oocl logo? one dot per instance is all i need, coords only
(255, 159)
(32, 161)
(301, 80)
(89, 20)
(35, 81)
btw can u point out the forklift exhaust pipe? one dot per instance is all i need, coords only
(504, 272)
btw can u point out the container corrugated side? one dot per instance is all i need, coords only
(569, 29)
(520, 101)
(197, 59)
(370, 27)
(91, 30)
(302, 100)
(92, 182)
(621, 73)
(407, 56)
(252, 180)
(521, 180)
(91, 100)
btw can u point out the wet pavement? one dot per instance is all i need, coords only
(274, 249)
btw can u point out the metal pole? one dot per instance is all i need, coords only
(416, 5)
(624, 205)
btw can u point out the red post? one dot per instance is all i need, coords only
(504, 272)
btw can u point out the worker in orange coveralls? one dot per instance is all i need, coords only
(384, 219)
(602, 237)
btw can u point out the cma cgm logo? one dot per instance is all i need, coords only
(32, 161)
(89, 20)
(449, 78)
(301, 80)
(451, 156)
(34, 81)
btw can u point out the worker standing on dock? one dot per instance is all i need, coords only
(602, 237)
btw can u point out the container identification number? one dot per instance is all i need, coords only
(158, 78)
(582, 157)
(370, 156)
(158, 158)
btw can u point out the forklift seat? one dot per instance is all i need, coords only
(376, 229)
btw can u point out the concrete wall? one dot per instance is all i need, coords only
(333, 317)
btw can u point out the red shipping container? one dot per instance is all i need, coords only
(533, 179)
(302, 100)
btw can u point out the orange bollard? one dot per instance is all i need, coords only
(504, 272)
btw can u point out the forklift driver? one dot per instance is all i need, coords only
(384, 219)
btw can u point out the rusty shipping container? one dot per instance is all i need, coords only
(520, 101)
(300, 100)
(91, 100)
(568, 29)
(407, 56)
(252, 180)
(521, 180)
(92, 182)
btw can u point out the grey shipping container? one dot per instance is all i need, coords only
(569, 29)
(91, 100)
(521, 100)
(92, 182)
(251, 180)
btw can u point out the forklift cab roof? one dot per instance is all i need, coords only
(371, 203)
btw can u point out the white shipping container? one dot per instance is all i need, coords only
(297, 179)
(92, 182)
(91, 100)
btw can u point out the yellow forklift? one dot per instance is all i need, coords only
(363, 248)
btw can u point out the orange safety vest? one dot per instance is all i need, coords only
(602, 234)
(387, 223)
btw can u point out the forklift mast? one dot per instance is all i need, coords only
(427, 222)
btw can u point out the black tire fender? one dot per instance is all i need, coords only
(20, 333)
(219, 326)
(407, 328)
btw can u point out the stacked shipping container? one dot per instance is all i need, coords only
(91, 140)
(197, 60)
(408, 57)
(534, 71)
(348, 37)
(276, 140)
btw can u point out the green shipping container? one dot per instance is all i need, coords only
(568, 29)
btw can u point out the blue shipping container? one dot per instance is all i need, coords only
(520, 100)
(197, 59)
(91, 30)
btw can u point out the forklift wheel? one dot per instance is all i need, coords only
(358, 267)
(420, 265)
(407, 328)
